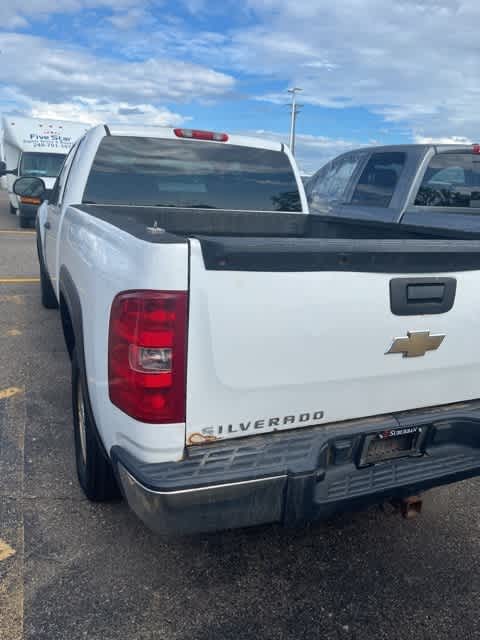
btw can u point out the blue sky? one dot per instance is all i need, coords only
(372, 72)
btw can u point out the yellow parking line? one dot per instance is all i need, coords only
(13, 332)
(8, 393)
(15, 231)
(5, 550)
(10, 333)
(16, 299)
(19, 280)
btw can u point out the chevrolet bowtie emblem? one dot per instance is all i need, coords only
(417, 343)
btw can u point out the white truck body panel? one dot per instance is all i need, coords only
(309, 347)
(88, 242)
(167, 133)
(12, 159)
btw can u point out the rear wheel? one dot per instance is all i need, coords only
(94, 470)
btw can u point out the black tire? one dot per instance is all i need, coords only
(49, 299)
(94, 469)
(13, 211)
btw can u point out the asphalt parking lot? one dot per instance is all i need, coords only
(71, 570)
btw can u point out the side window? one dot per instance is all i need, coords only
(61, 178)
(53, 198)
(379, 179)
(67, 168)
(331, 182)
(451, 180)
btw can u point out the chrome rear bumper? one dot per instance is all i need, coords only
(296, 476)
(222, 506)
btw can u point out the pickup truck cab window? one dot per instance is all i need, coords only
(331, 182)
(451, 180)
(62, 176)
(379, 179)
(191, 174)
(53, 199)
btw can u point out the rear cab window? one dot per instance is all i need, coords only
(451, 180)
(379, 179)
(130, 170)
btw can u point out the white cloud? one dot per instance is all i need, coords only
(18, 13)
(130, 19)
(98, 111)
(443, 140)
(411, 61)
(57, 72)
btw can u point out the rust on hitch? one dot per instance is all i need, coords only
(409, 507)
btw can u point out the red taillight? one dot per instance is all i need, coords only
(147, 355)
(201, 135)
(476, 148)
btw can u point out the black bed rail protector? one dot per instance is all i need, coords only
(215, 222)
(182, 223)
(334, 254)
(277, 241)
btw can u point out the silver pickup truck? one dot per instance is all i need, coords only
(422, 188)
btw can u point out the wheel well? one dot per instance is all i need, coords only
(67, 326)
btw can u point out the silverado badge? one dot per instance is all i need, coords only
(417, 343)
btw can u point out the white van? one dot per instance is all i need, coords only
(35, 147)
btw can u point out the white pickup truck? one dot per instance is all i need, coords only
(232, 364)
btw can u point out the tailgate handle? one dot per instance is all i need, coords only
(425, 292)
(421, 296)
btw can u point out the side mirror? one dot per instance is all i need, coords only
(4, 171)
(33, 188)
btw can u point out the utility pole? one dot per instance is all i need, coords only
(295, 110)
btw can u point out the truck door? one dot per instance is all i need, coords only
(54, 210)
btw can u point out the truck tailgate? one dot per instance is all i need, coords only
(286, 333)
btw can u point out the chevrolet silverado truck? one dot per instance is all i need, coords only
(234, 362)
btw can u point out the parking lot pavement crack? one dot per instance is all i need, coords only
(15, 298)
